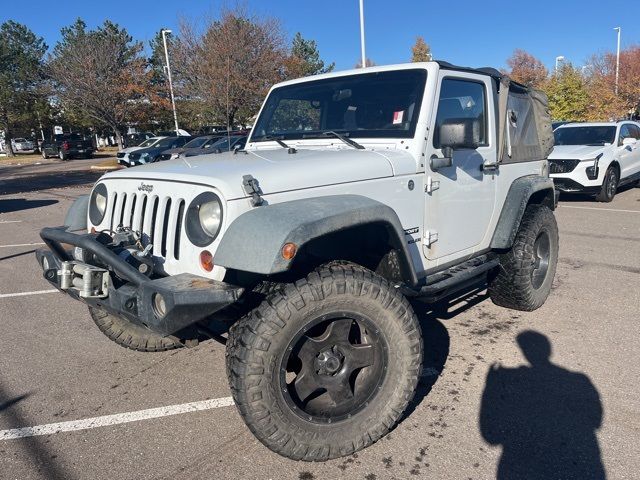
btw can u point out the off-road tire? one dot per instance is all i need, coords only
(512, 285)
(62, 156)
(44, 155)
(258, 342)
(609, 185)
(130, 335)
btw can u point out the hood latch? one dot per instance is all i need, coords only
(251, 187)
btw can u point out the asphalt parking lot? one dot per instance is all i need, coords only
(481, 406)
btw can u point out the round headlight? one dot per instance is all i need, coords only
(210, 214)
(98, 204)
(204, 219)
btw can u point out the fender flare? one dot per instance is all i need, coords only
(76, 218)
(520, 193)
(253, 242)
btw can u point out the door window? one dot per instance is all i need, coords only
(461, 99)
(634, 130)
(625, 132)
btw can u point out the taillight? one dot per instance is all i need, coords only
(65, 145)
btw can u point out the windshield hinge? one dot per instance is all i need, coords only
(251, 187)
(430, 237)
(432, 185)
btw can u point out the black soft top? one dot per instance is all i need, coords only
(490, 71)
(524, 121)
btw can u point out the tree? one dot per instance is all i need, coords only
(421, 51)
(21, 54)
(100, 72)
(568, 95)
(368, 63)
(231, 65)
(304, 59)
(601, 83)
(527, 69)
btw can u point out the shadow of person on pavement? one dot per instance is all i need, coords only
(544, 416)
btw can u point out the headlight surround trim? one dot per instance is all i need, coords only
(98, 204)
(196, 232)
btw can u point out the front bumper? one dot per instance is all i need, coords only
(111, 283)
(568, 185)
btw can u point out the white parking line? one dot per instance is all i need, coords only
(116, 419)
(601, 209)
(24, 294)
(22, 245)
(10, 221)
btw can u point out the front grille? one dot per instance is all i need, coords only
(562, 166)
(158, 218)
(158, 210)
(134, 156)
(120, 154)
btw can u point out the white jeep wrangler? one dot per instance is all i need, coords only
(356, 191)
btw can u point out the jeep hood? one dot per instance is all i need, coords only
(276, 170)
(576, 152)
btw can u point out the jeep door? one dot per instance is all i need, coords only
(460, 199)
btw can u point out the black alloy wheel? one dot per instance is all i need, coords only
(334, 367)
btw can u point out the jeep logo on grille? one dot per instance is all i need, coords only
(145, 188)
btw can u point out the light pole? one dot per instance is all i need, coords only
(364, 56)
(618, 29)
(559, 58)
(166, 56)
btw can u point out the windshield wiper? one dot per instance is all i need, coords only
(346, 140)
(278, 140)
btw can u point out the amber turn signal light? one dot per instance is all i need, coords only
(206, 260)
(289, 251)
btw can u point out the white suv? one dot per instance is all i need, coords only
(595, 158)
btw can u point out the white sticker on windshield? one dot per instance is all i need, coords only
(397, 117)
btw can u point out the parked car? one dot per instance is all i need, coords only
(357, 191)
(22, 145)
(68, 145)
(123, 155)
(224, 144)
(197, 143)
(595, 158)
(151, 154)
(135, 139)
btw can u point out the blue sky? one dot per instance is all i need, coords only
(466, 32)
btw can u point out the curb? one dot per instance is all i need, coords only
(106, 168)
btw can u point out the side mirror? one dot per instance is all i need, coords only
(237, 146)
(459, 134)
(629, 141)
(455, 134)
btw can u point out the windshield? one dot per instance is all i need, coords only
(372, 105)
(595, 135)
(149, 142)
(223, 144)
(196, 142)
(165, 142)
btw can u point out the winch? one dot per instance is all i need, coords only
(127, 244)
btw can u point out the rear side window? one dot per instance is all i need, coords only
(461, 99)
